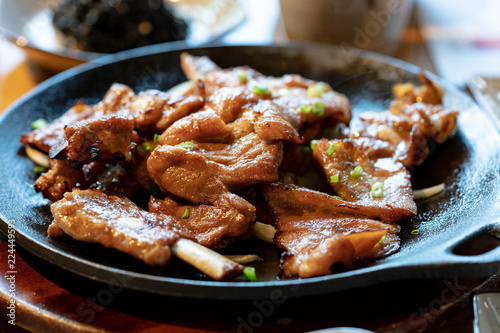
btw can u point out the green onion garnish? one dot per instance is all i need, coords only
(331, 149)
(334, 179)
(242, 76)
(415, 232)
(186, 213)
(305, 108)
(189, 145)
(39, 123)
(260, 90)
(156, 138)
(357, 171)
(314, 143)
(340, 198)
(316, 90)
(305, 150)
(249, 273)
(39, 169)
(377, 190)
(382, 240)
(318, 108)
(147, 146)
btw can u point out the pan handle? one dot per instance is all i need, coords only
(446, 253)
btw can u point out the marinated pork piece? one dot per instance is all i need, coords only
(228, 101)
(405, 138)
(194, 67)
(247, 161)
(210, 226)
(115, 98)
(174, 110)
(313, 252)
(428, 92)
(319, 230)
(434, 121)
(231, 103)
(269, 123)
(335, 108)
(211, 78)
(292, 92)
(53, 134)
(413, 117)
(94, 217)
(201, 173)
(105, 139)
(146, 109)
(60, 179)
(200, 126)
(300, 201)
(374, 182)
(263, 118)
(423, 106)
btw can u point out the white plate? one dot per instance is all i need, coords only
(28, 24)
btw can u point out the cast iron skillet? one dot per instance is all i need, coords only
(451, 224)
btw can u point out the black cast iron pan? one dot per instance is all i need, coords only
(457, 227)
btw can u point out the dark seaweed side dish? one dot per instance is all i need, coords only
(109, 26)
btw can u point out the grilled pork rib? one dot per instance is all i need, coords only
(319, 230)
(199, 151)
(118, 223)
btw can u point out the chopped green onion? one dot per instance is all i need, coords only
(260, 90)
(377, 189)
(242, 76)
(189, 145)
(249, 273)
(331, 149)
(305, 150)
(314, 143)
(316, 90)
(357, 171)
(305, 108)
(186, 213)
(39, 169)
(415, 232)
(156, 138)
(382, 240)
(334, 179)
(340, 198)
(318, 108)
(39, 123)
(147, 146)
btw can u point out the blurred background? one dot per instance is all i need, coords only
(458, 40)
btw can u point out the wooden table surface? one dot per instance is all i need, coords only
(50, 299)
